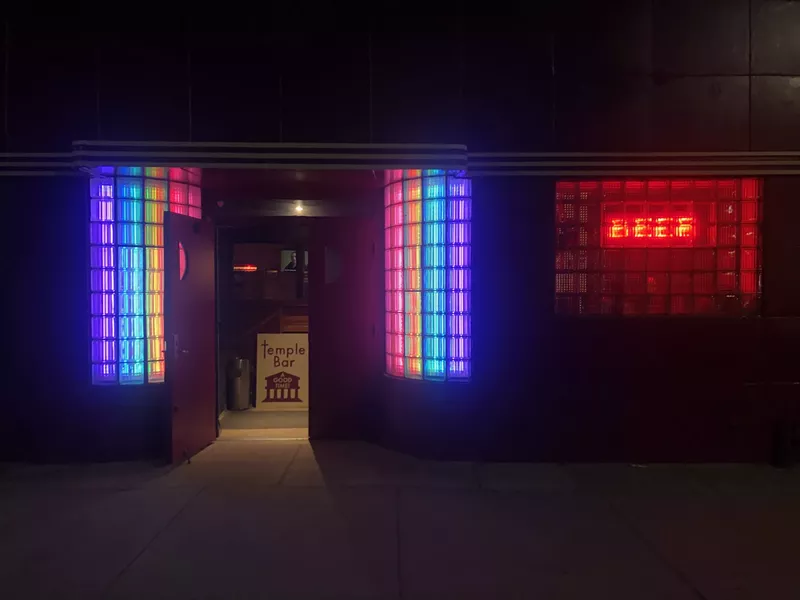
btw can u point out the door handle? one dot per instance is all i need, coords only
(178, 349)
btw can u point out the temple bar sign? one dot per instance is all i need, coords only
(282, 371)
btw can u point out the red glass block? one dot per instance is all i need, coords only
(749, 258)
(565, 213)
(683, 260)
(680, 283)
(726, 259)
(749, 212)
(566, 260)
(634, 305)
(657, 305)
(750, 189)
(635, 283)
(611, 283)
(703, 305)
(727, 235)
(748, 282)
(726, 281)
(566, 283)
(681, 305)
(749, 236)
(704, 260)
(635, 260)
(659, 260)
(657, 283)
(704, 283)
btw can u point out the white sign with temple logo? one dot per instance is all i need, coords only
(282, 371)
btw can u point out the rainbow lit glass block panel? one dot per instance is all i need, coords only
(427, 219)
(126, 237)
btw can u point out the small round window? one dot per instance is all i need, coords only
(182, 266)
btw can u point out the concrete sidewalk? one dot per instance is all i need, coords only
(285, 520)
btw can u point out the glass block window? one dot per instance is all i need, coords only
(658, 247)
(427, 265)
(126, 237)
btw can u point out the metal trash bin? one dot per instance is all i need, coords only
(239, 384)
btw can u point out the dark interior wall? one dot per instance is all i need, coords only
(50, 410)
(625, 75)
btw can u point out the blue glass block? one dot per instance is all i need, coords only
(104, 350)
(130, 234)
(131, 373)
(132, 171)
(102, 280)
(459, 233)
(459, 325)
(433, 279)
(131, 211)
(434, 324)
(103, 327)
(458, 302)
(131, 350)
(101, 209)
(459, 256)
(130, 188)
(104, 373)
(434, 369)
(131, 327)
(433, 210)
(432, 172)
(433, 187)
(101, 234)
(102, 304)
(131, 304)
(459, 210)
(433, 302)
(433, 256)
(131, 281)
(131, 257)
(433, 233)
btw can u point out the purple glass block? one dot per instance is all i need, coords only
(459, 256)
(458, 369)
(101, 187)
(458, 302)
(104, 350)
(101, 234)
(459, 209)
(104, 328)
(459, 188)
(459, 347)
(104, 372)
(101, 209)
(101, 257)
(459, 233)
(105, 170)
(102, 280)
(102, 304)
(459, 279)
(459, 325)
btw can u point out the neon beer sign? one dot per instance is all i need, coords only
(644, 229)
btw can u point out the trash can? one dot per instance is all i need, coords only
(239, 384)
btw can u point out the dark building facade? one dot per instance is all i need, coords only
(598, 141)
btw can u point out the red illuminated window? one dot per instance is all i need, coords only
(658, 247)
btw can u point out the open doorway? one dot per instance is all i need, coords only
(264, 330)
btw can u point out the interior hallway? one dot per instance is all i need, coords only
(289, 519)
